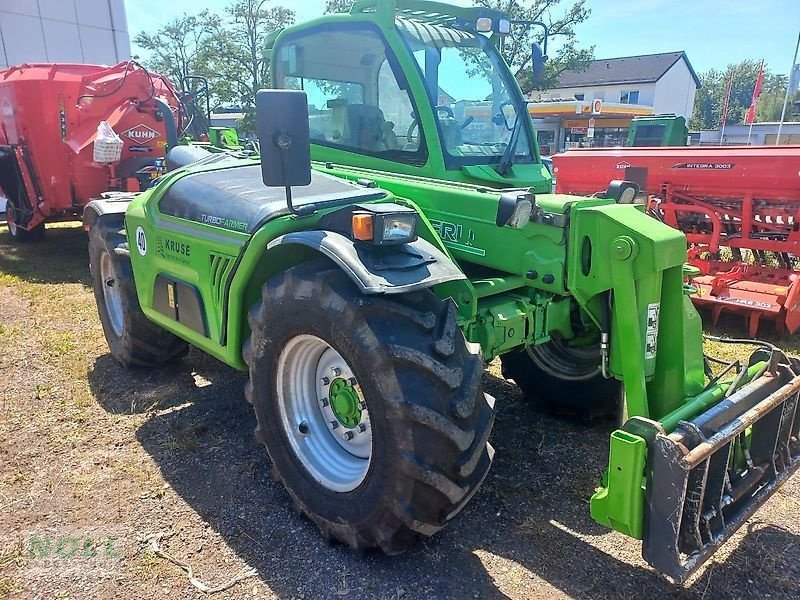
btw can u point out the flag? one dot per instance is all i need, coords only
(727, 98)
(751, 112)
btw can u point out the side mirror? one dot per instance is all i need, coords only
(538, 60)
(282, 124)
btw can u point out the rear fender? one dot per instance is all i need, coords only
(112, 203)
(378, 270)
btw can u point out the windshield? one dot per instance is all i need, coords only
(475, 103)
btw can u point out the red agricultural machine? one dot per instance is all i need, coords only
(49, 117)
(745, 198)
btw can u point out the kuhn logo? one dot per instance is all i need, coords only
(141, 133)
(621, 166)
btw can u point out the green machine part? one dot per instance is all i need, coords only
(658, 130)
(618, 269)
(588, 271)
(224, 137)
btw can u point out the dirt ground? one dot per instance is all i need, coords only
(96, 461)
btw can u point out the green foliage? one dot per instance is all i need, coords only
(338, 6)
(710, 97)
(226, 49)
(182, 47)
(770, 105)
(561, 22)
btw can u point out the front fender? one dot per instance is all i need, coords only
(379, 270)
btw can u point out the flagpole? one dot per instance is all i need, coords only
(725, 106)
(786, 97)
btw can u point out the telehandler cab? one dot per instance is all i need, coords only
(364, 305)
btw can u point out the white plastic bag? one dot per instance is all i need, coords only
(107, 144)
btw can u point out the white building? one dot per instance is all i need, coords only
(666, 82)
(77, 31)
(761, 134)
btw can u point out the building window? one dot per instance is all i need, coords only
(579, 96)
(629, 97)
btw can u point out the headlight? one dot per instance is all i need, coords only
(514, 209)
(483, 25)
(399, 228)
(385, 227)
(504, 27)
(624, 192)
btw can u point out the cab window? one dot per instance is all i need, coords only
(356, 101)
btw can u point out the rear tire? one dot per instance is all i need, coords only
(424, 410)
(564, 382)
(133, 339)
(17, 233)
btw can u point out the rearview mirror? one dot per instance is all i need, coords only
(282, 124)
(538, 60)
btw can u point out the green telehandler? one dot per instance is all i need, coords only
(364, 295)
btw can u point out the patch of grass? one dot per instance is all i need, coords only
(82, 486)
(7, 586)
(185, 439)
(59, 344)
(19, 477)
(9, 332)
(8, 279)
(11, 557)
(150, 567)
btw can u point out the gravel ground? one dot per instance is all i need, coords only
(97, 460)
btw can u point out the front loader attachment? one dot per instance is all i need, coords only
(710, 474)
(705, 475)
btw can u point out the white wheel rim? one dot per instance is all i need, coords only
(111, 295)
(335, 454)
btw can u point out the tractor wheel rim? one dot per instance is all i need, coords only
(111, 294)
(565, 362)
(324, 414)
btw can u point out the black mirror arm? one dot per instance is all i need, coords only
(283, 141)
(532, 23)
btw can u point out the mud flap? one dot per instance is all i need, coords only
(708, 476)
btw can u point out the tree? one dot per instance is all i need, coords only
(561, 24)
(238, 51)
(338, 6)
(181, 47)
(227, 50)
(770, 102)
(710, 97)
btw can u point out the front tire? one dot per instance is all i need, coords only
(563, 381)
(133, 339)
(395, 442)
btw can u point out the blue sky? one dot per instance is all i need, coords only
(713, 33)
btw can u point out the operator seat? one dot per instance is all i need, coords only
(367, 128)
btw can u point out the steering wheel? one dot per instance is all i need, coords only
(437, 109)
